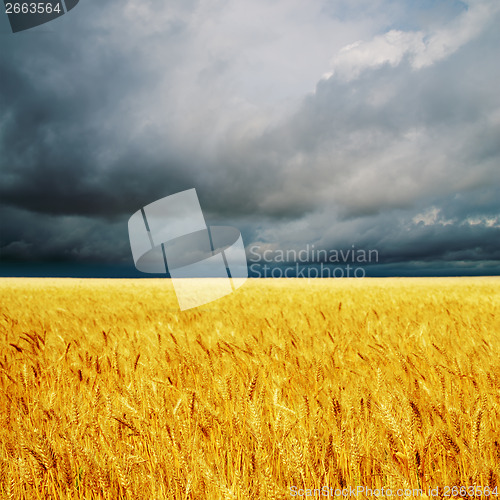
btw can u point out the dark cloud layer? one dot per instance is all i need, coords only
(115, 106)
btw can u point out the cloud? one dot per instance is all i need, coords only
(421, 48)
(125, 103)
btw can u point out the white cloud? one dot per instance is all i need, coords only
(389, 48)
(422, 48)
(431, 217)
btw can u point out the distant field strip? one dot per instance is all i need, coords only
(107, 390)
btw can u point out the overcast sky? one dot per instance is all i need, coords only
(372, 123)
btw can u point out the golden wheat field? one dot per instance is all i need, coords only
(283, 389)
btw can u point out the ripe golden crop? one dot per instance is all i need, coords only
(107, 390)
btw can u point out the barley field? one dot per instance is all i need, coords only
(108, 391)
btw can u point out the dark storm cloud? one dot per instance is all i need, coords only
(121, 104)
(69, 142)
(38, 237)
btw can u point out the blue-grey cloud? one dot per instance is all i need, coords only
(329, 122)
